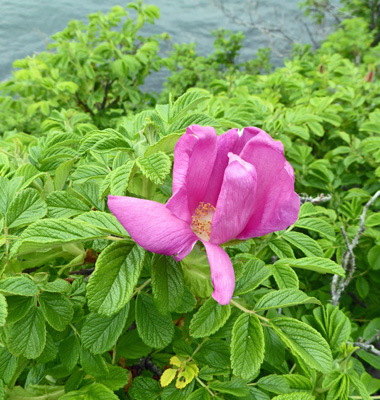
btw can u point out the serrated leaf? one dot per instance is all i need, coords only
(116, 378)
(247, 346)
(305, 342)
(192, 119)
(144, 388)
(274, 383)
(57, 309)
(155, 167)
(62, 205)
(131, 346)
(69, 350)
(210, 317)
(255, 272)
(167, 283)
(49, 352)
(93, 364)
(18, 306)
(3, 310)
(303, 242)
(295, 396)
(155, 330)
(8, 365)
(28, 335)
(119, 178)
(25, 208)
(100, 333)
(186, 102)
(62, 173)
(317, 264)
(104, 221)
(50, 233)
(236, 387)
(281, 248)
(116, 273)
(166, 144)
(284, 298)
(19, 285)
(285, 276)
(168, 376)
(317, 225)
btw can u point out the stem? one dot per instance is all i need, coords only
(114, 238)
(140, 288)
(205, 386)
(234, 303)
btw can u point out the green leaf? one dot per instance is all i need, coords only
(295, 396)
(373, 220)
(144, 388)
(371, 359)
(62, 173)
(188, 302)
(274, 383)
(116, 273)
(236, 387)
(97, 391)
(28, 335)
(284, 298)
(8, 189)
(200, 394)
(104, 221)
(21, 285)
(317, 225)
(210, 317)
(49, 352)
(130, 346)
(317, 264)
(50, 233)
(247, 346)
(167, 283)
(255, 272)
(93, 364)
(186, 102)
(305, 342)
(274, 348)
(166, 145)
(62, 205)
(116, 378)
(57, 286)
(155, 167)
(154, 329)
(192, 119)
(215, 353)
(281, 248)
(25, 208)
(360, 387)
(8, 365)
(303, 242)
(3, 310)
(120, 178)
(69, 350)
(57, 309)
(100, 333)
(18, 306)
(285, 276)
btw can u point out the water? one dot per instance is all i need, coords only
(26, 25)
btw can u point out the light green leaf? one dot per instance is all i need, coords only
(98, 391)
(210, 317)
(255, 272)
(116, 273)
(318, 264)
(155, 167)
(50, 233)
(247, 346)
(236, 387)
(93, 364)
(285, 276)
(284, 298)
(186, 102)
(167, 283)
(20, 285)
(116, 378)
(281, 248)
(317, 225)
(295, 396)
(62, 173)
(154, 329)
(8, 365)
(305, 342)
(28, 335)
(100, 333)
(104, 221)
(25, 208)
(57, 309)
(3, 310)
(166, 145)
(18, 306)
(119, 178)
(303, 242)
(62, 205)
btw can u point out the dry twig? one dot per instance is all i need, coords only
(322, 198)
(367, 345)
(348, 260)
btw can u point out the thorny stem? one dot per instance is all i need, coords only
(348, 260)
(205, 386)
(234, 303)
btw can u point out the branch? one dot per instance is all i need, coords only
(367, 345)
(338, 284)
(322, 198)
(84, 105)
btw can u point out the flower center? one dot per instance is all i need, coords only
(201, 220)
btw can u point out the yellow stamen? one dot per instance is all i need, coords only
(202, 220)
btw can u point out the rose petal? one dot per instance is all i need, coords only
(222, 273)
(276, 204)
(235, 202)
(194, 157)
(153, 226)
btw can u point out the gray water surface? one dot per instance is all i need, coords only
(26, 25)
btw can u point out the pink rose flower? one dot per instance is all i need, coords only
(232, 186)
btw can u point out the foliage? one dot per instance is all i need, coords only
(85, 313)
